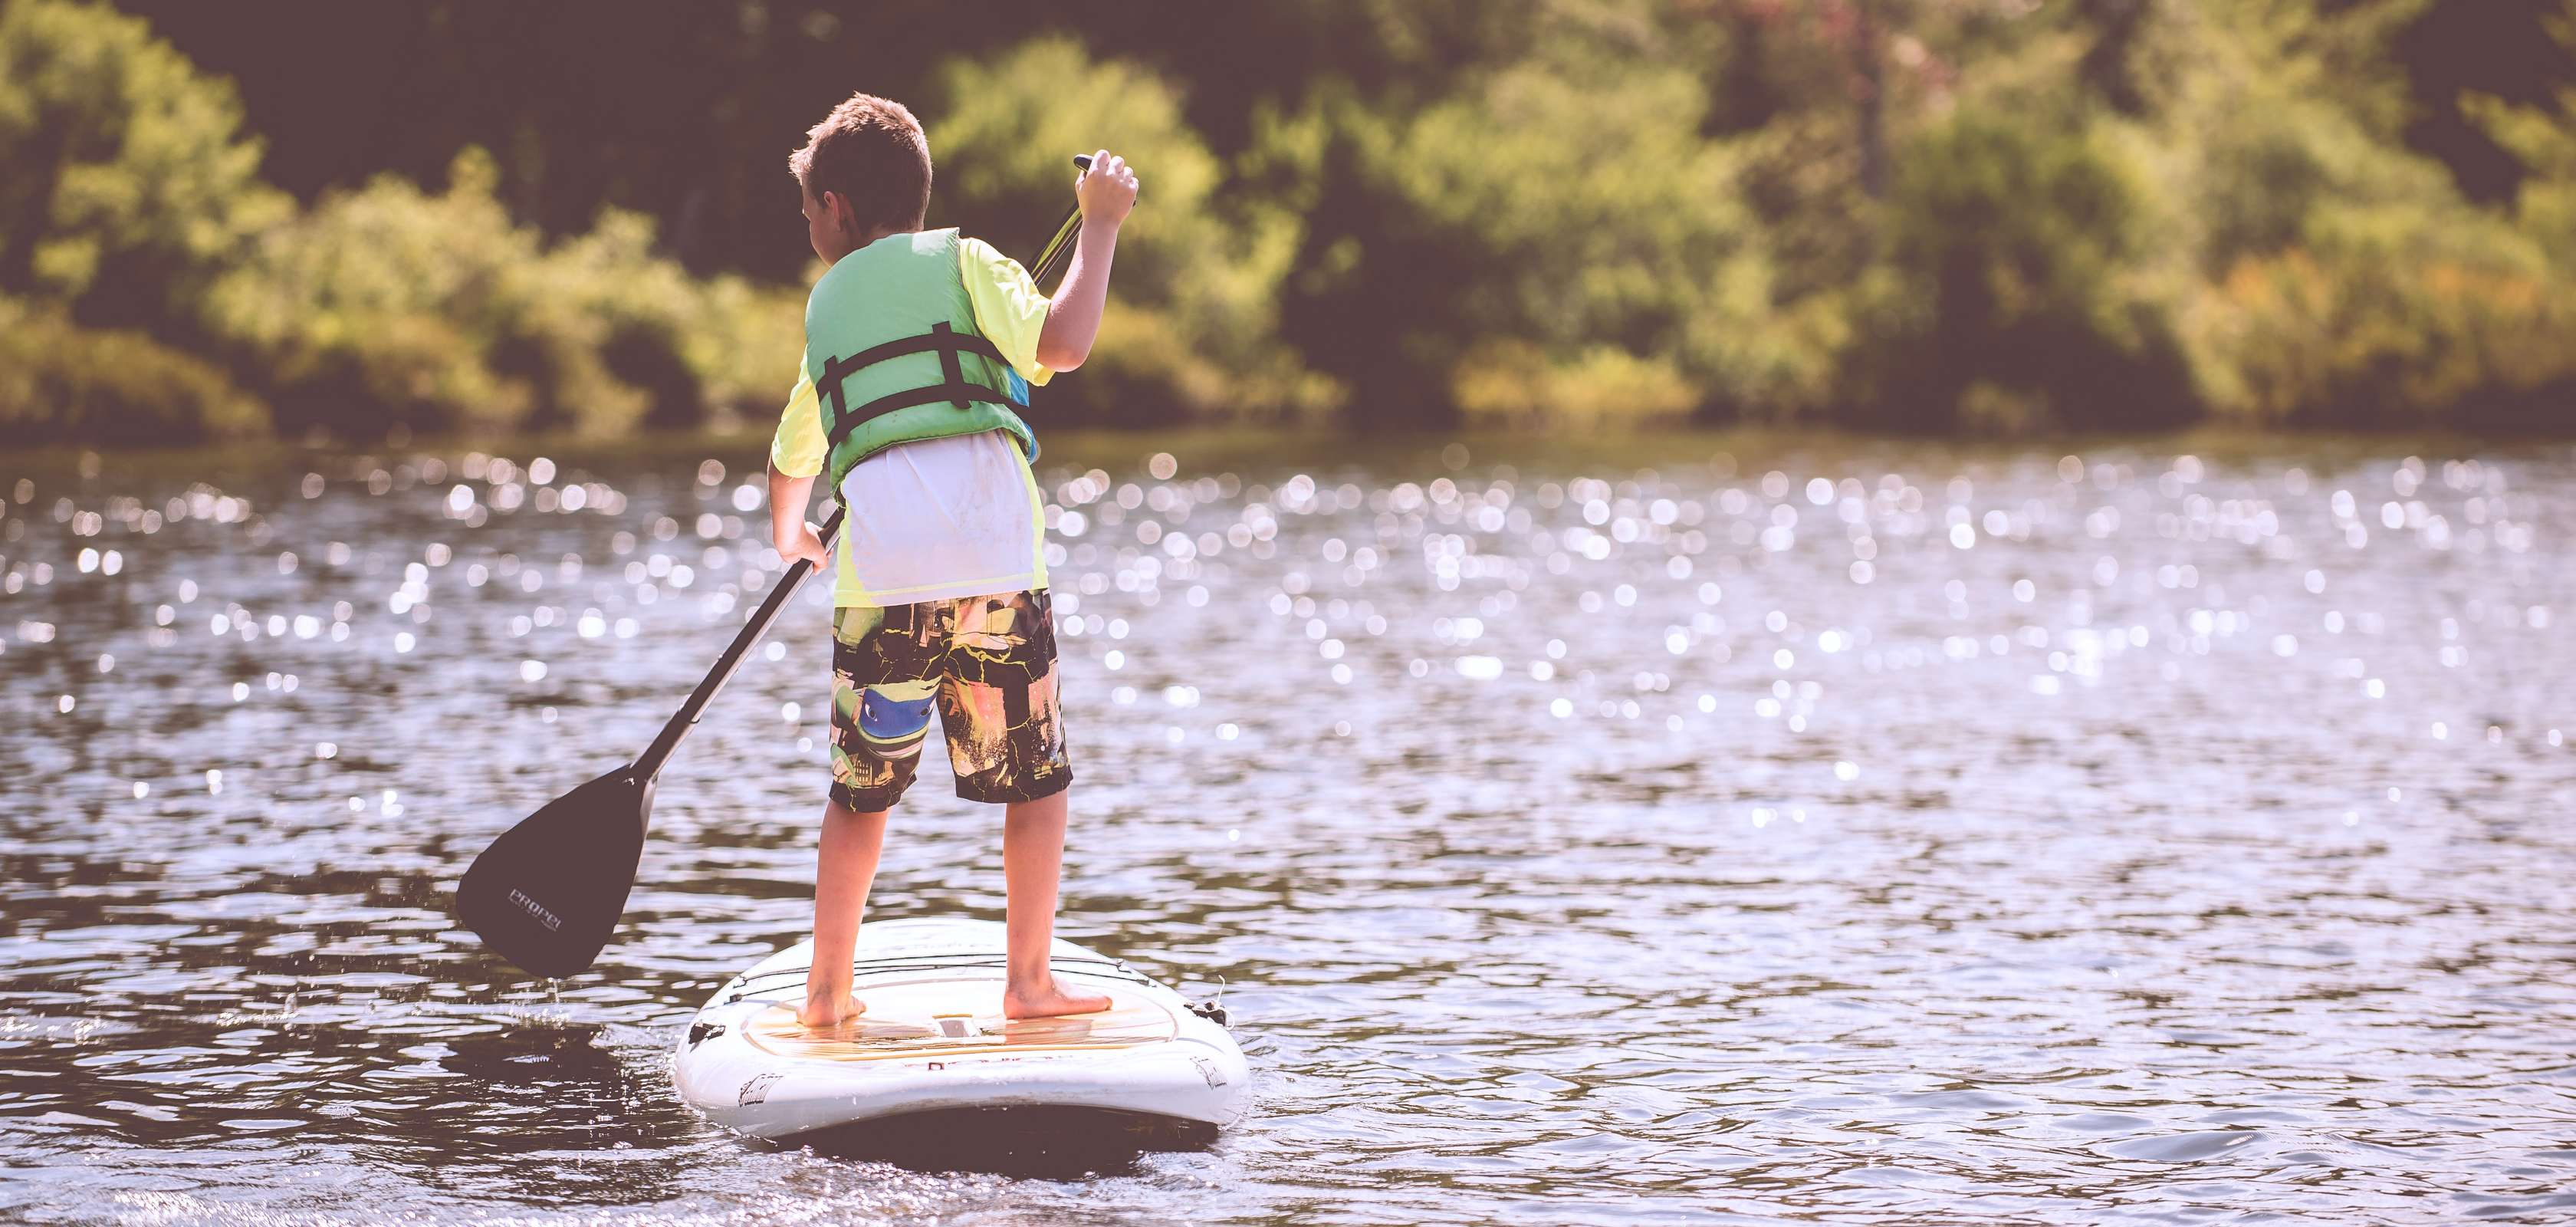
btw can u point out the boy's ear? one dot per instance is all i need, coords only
(843, 215)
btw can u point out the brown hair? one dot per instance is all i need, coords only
(872, 152)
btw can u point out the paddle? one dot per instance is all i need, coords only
(547, 894)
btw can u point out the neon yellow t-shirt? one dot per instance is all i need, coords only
(939, 518)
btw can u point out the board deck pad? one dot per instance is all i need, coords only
(947, 1018)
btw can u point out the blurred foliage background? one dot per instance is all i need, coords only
(1931, 216)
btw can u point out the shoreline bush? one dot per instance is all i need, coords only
(62, 383)
(437, 313)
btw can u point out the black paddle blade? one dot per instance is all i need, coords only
(547, 894)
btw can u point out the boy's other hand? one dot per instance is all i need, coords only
(1107, 191)
(806, 543)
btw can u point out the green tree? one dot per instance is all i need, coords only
(2019, 292)
(392, 305)
(1193, 329)
(1557, 236)
(1608, 239)
(2344, 279)
(2543, 140)
(128, 185)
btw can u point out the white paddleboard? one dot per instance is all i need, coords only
(933, 1039)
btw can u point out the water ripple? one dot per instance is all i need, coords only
(1596, 832)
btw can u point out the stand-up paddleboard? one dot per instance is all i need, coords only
(933, 1041)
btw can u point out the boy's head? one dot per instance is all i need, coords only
(865, 171)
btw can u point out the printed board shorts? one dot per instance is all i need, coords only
(986, 662)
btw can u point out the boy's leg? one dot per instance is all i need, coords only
(881, 700)
(844, 869)
(1032, 860)
(1005, 731)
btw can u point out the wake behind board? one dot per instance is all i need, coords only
(933, 1041)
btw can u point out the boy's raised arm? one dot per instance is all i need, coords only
(1107, 192)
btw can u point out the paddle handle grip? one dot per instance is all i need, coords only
(649, 764)
(1058, 249)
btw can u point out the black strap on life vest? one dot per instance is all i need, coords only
(954, 387)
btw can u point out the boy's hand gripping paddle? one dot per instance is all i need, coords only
(1058, 250)
(547, 894)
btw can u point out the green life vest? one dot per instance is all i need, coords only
(892, 348)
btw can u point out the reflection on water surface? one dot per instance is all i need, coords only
(1602, 832)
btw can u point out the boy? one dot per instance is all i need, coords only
(919, 347)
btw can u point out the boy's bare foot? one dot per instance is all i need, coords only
(1048, 999)
(818, 1015)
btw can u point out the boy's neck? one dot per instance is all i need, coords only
(869, 238)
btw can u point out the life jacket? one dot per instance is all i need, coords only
(892, 349)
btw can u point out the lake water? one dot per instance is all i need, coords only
(1693, 828)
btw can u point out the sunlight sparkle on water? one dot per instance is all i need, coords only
(1583, 727)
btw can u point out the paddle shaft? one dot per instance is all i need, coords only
(649, 764)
